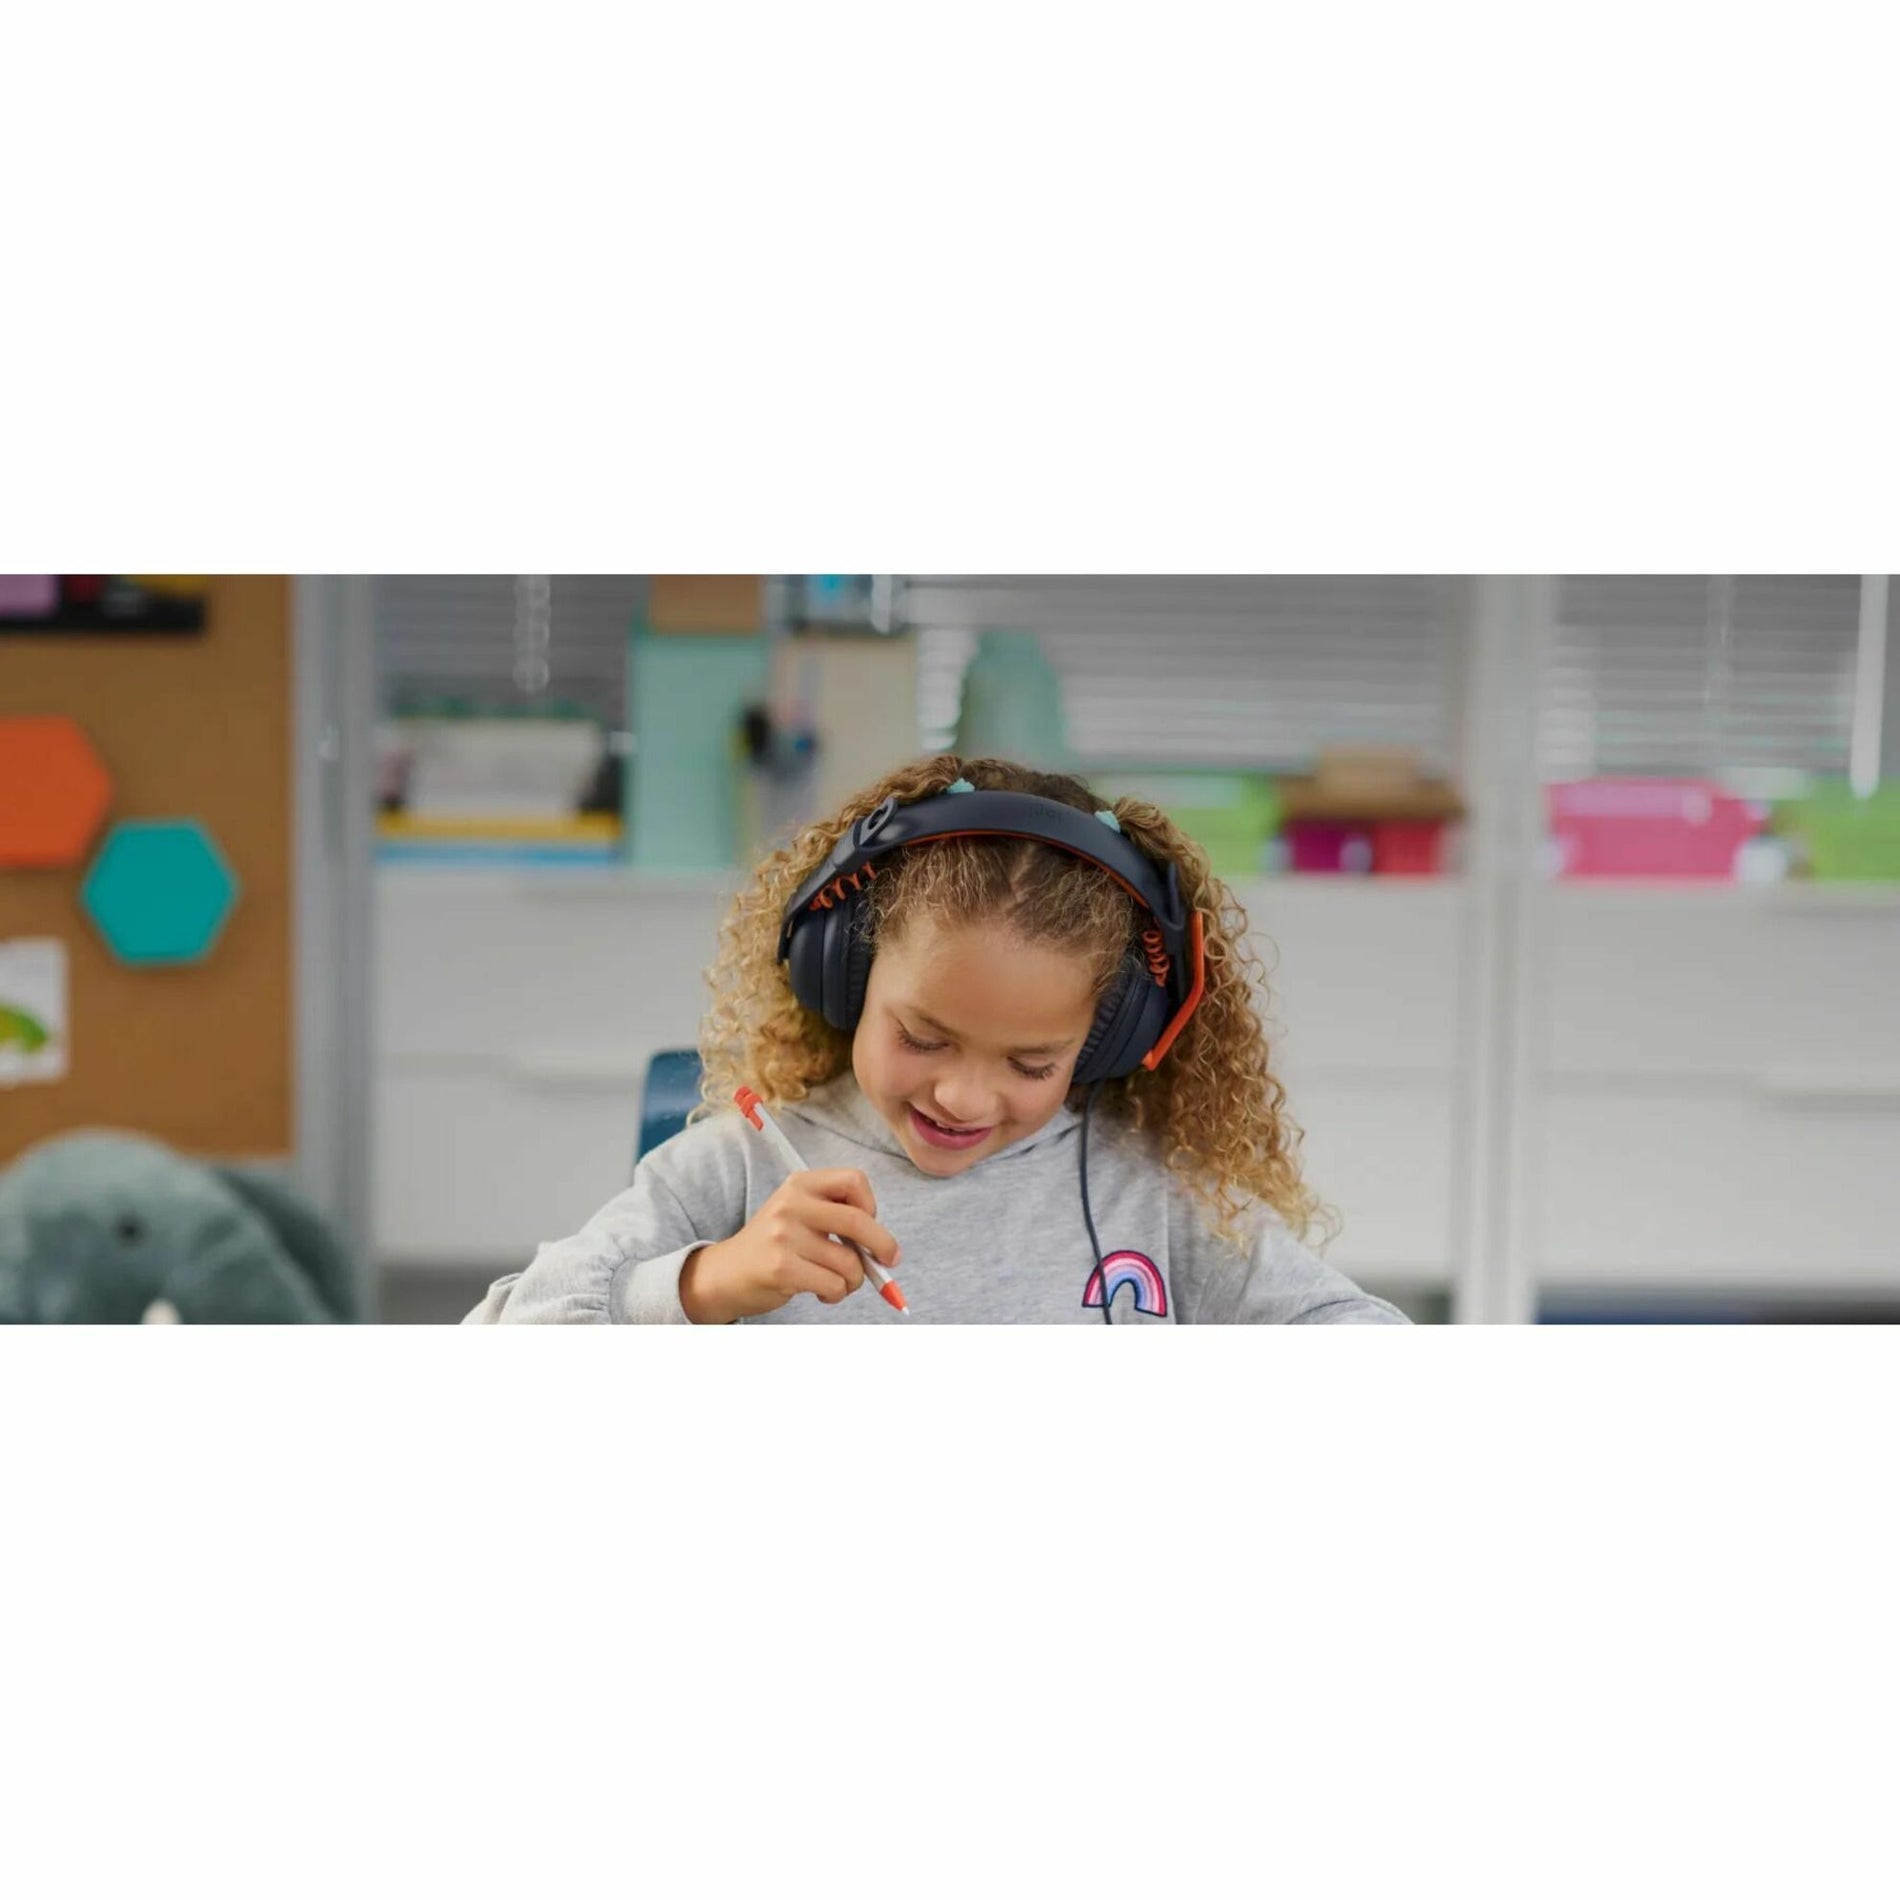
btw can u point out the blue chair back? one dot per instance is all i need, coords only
(670, 1095)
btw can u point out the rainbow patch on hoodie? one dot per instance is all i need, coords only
(1129, 1269)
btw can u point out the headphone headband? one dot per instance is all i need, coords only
(891, 826)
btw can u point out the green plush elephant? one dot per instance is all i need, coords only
(108, 1228)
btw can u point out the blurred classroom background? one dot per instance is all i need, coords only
(1580, 893)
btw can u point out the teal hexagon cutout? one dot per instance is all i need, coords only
(160, 890)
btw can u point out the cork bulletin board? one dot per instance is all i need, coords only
(198, 1055)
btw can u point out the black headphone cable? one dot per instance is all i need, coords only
(1095, 1246)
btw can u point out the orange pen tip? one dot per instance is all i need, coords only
(748, 1105)
(895, 1296)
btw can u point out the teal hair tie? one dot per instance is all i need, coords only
(962, 785)
(1109, 819)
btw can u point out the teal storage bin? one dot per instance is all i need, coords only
(689, 691)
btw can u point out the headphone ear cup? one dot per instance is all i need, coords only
(834, 941)
(844, 966)
(1128, 1020)
(852, 968)
(829, 964)
(1088, 1062)
(805, 962)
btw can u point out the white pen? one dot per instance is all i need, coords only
(760, 1117)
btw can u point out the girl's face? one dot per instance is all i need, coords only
(968, 1039)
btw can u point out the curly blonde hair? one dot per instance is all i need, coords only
(1216, 1111)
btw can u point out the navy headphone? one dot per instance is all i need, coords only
(1144, 1008)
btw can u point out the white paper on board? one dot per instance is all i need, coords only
(33, 1022)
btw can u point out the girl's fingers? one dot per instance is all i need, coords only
(850, 1222)
(850, 1186)
(836, 1257)
(808, 1276)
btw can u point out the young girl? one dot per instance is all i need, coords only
(1011, 1034)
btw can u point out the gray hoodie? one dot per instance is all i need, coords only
(1004, 1241)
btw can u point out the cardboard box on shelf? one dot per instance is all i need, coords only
(705, 603)
(1367, 784)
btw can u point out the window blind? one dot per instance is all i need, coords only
(504, 641)
(1218, 670)
(1696, 675)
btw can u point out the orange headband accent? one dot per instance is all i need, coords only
(1166, 1040)
(833, 893)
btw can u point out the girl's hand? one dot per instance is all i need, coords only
(787, 1248)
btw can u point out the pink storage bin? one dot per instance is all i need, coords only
(1637, 827)
(1327, 848)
